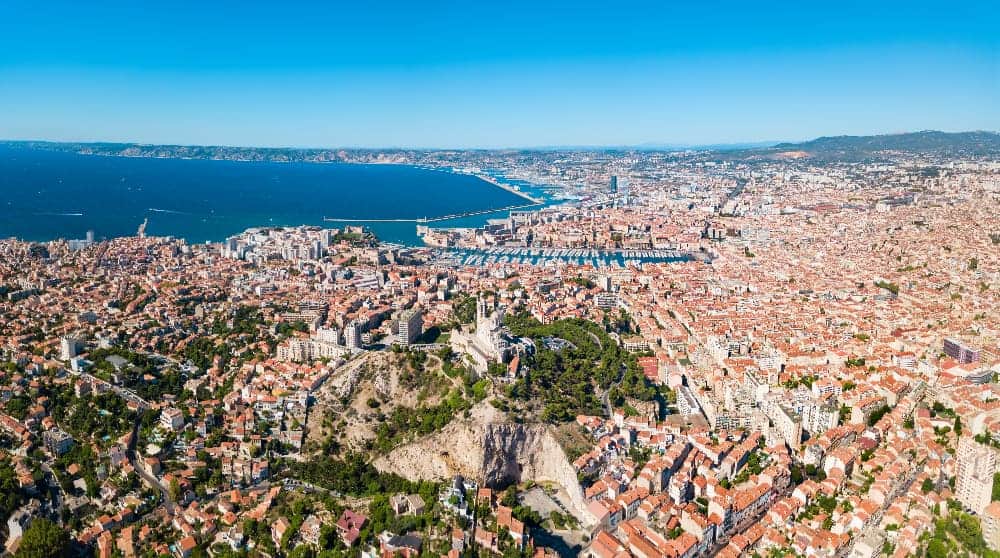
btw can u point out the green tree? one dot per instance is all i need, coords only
(937, 549)
(43, 539)
(175, 490)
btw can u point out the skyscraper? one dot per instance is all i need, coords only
(974, 481)
(614, 184)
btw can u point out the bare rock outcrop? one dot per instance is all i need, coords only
(493, 451)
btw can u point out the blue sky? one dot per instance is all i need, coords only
(481, 74)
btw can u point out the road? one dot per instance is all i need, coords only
(604, 396)
(56, 499)
(150, 480)
(873, 523)
(124, 393)
(723, 541)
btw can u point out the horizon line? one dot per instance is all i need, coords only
(644, 146)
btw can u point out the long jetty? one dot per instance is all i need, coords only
(432, 219)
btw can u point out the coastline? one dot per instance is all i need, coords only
(516, 192)
(424, 220)
(450, 170)
(112, 228)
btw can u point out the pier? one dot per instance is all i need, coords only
(511, 189)
(432, 219)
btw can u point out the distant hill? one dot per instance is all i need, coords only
(217, 152)
(930, 142)
(835, 148)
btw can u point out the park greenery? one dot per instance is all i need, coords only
(351, 475)
(103, 416)
(43, 539)
(956, 534)
(463, 309)
(11, 496)
(144, 374)
(567, 379)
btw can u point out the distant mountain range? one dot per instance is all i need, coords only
(835, 148)
(929, 142)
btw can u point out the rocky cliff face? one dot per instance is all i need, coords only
(492, 451)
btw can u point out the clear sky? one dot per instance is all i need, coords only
(493, 74)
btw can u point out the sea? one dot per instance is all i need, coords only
(49, 194)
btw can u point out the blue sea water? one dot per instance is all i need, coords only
(51, 194)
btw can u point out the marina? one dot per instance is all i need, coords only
(563, 256)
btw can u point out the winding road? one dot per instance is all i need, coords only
(150, 480)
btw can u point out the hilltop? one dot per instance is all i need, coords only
(857, 148)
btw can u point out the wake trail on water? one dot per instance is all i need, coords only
(170, 211)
